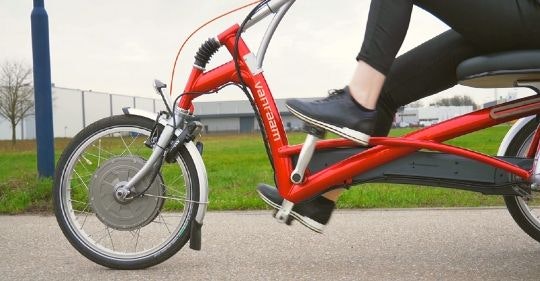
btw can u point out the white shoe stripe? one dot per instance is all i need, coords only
(345, 132)
(306, 221)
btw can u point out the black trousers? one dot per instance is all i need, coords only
(477, 27)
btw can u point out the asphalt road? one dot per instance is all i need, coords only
(447, 244)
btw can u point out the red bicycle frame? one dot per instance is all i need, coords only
(384, 150)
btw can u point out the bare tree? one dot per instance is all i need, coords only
(16, 93)
(456, 101)
(416, 104)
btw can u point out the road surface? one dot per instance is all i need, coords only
(417, 244)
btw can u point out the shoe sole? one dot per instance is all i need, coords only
(345, 132)
(306, 221)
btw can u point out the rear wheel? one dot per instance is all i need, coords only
(123, 233)
(525, 211)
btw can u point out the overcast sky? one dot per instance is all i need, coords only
(120, 46)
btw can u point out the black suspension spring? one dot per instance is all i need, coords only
(205, 52)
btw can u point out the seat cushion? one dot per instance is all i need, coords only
(500, 70)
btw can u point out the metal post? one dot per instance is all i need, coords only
(83, 110)
(42, 90)
(22, 129)
(110, 104)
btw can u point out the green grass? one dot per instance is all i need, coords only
(235, 165)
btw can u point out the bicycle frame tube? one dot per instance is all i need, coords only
(388, 149)
(271, 119)
(384, 150)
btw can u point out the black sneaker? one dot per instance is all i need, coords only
(314, 214)
(338, 113)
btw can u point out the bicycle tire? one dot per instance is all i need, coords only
(520, 208)
(116, 221)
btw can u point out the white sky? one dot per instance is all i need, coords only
(120, 46)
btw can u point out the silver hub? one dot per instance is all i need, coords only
(115, 205)
(121, 193)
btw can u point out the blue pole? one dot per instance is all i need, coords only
(42, 90)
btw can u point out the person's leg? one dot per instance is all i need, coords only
(349, 112)
(366, 84)
(490, 25)
(423, 71)
(430, 67)
(387, 25)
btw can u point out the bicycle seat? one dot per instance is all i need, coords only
(500, 70)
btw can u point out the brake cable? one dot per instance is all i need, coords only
(197, 30)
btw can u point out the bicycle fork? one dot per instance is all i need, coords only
(157, 155)
(153, 164)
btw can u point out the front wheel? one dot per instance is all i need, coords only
(128, 233)
(524, 210)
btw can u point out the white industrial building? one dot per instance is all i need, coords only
(426, 116)
(74, 109)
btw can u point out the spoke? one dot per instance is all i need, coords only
(85, 160)
(84, 166)
(133, 234)
(180, 199)
(137, 241)
(80, 202)
(85, 176)
(172, 216)
(125, 145)
(110, 238)
(175, 180)
(172, 190)
(85, 218)
(133, 139)
(83, 212)
(165, 223)
(86, 214)
(105, 232)
(80, 179)
(99, 154)
(103, 150)
(140, 147)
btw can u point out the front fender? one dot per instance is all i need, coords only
(197, 160)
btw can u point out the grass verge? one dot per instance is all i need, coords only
(235, 165)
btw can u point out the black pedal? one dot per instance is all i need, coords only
(314, 130)
(289, 219)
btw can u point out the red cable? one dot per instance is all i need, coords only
(196, 30)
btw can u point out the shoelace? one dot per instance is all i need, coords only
(333, 95)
